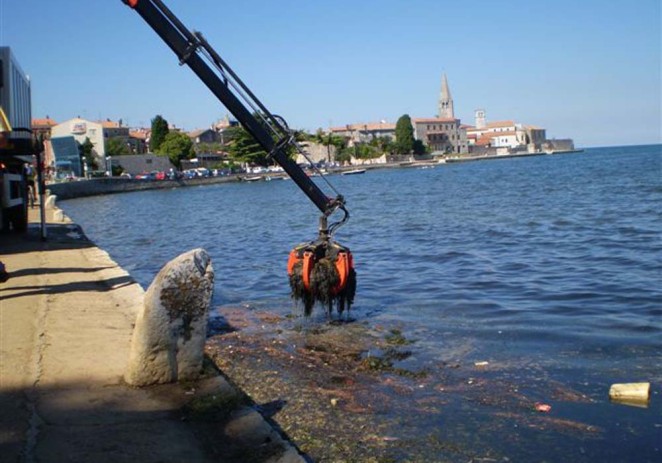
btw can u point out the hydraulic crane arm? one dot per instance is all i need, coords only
(270, 131)
(319, 271)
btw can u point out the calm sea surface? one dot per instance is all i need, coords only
(551, 261)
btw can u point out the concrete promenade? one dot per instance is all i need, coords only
(66, 319)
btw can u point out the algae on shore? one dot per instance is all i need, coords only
(352, 392)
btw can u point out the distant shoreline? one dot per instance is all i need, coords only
(512, 155)
(114, 185)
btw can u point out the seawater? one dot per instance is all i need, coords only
(551, 261)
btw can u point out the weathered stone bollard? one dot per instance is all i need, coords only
(50, 201)
(169, 336)
(58, 215)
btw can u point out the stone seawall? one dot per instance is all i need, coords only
(104, 186)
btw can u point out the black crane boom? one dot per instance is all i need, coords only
(319, 271)
(269, 130)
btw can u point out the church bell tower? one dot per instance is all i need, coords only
(446, 100)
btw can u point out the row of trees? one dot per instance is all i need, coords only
(242, 148)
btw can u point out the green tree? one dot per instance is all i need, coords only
(244, 148)
(213, 147)
(117, 170)
(116, 146)
(329, 140)
(87, 154)
(366, 151)
(404, 135)
(337, 141)
(344, 154)
(176, 146)
(159, 132)
(420, 147)
(385, 144)
(302, 135)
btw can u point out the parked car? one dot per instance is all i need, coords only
(160, 175)
(146, 176)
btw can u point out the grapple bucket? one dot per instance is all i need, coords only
(322, 271)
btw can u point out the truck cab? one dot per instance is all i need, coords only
(16, 147)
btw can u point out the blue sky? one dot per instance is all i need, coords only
(589, 69)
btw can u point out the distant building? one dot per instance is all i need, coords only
(16, 98)
(139, 140)
(138, 163)
(203, 136)
(224, 123)
(207, 160)
(63, 156)
(97, 132)
(80, 130)
(480, 118)
(446, 107)
(222, 128)
(365, 133)
(554, 144)
(502, 137)
(316, 153)
(112, 129)
(444, 134)
(441, 135)
(41, 128)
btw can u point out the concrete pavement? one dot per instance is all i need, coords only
(66, 318)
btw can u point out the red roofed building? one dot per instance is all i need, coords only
(441, 134)
(42, 127)
(113, 129)
(139, 140)
(503, 137)
(365, 133)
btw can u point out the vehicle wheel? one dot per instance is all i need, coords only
(5, 222)
(19, 218)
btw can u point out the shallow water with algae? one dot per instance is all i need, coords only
(487, 291)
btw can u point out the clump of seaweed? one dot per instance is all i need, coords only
(385, 364)
(376, 363)
(324, 281)
(396, 338)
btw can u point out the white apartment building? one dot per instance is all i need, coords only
(97, 132)
(504, 135)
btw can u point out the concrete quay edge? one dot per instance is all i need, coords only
(66, 319)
